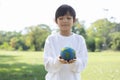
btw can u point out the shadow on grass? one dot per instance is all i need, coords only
(5, 58)
(20, 71)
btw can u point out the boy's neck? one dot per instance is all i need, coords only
(66, 33)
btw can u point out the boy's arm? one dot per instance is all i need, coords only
(81, 58)
(51, 62)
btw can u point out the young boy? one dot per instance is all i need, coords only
(58, 68)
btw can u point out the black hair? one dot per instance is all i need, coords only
(64, 9)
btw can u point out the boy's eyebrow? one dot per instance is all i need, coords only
(66, 15)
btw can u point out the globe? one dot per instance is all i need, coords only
(67, 53)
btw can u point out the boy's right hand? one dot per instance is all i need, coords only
(63, 61)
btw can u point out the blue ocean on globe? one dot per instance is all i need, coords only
(67, 53)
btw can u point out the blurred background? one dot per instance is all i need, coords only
(25, 25)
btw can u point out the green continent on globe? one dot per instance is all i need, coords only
(67, 55)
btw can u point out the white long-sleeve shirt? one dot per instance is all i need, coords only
(58, 71)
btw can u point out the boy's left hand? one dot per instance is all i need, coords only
(63, 61)
(71, 61)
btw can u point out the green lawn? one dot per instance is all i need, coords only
(21, 66)
(103, 66)
(29, 66)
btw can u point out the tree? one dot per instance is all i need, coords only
(8, 39)
(115, 40)
(37, 35)
(90, 43)
(100, 30)
(79, 28)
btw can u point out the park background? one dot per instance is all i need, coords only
(21, 46)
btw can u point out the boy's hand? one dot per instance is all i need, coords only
(71, 61)
(66, 62)
(63, 61)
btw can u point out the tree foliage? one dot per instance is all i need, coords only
(115, 40)
(79, 28)
(36, 36)
(33, 39)
(100, 30)
(102, 34)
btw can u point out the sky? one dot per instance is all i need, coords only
(15, 15)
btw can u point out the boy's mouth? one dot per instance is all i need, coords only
(65, 25)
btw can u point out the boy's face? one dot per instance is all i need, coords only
(65, 22)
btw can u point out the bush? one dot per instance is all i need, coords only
(115, 41)
(98, 44)
(90, 44)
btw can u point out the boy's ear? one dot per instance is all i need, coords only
(74, 20)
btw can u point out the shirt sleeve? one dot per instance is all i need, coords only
(82, 58)
(51, 63)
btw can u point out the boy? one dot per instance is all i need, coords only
(58, 68)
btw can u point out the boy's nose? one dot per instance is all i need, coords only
(64, 20)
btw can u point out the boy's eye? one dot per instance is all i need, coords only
(69, 18)
(60, 18)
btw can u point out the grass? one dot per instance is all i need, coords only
(21, 66)
(29, 66)
(103, 66)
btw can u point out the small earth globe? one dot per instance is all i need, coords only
(67, 53)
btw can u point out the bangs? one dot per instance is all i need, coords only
(62, 12)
